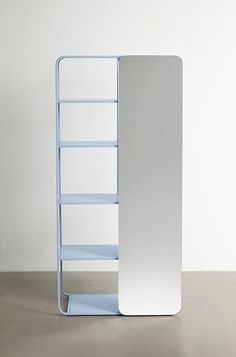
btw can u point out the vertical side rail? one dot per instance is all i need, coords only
(117, 124)
(58, 192)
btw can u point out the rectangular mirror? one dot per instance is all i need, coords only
(150, 184)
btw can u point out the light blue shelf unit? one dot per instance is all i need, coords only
(83, 304)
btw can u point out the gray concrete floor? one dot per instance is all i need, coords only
(31, 326)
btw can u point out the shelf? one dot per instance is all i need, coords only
(93, 304)
(98, 198)
(88, 144)
(70, 101)
(89, 252)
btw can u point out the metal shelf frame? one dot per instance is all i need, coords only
(83, 304)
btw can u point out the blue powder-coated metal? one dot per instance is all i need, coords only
(97, 198)
(89, 252)
(88, 144)
(83, 304)
(93, 304)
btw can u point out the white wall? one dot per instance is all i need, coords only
(33, 34)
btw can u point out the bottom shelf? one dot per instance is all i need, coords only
(93, 304)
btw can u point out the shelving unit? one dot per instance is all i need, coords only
(148, 145)
(83, 304)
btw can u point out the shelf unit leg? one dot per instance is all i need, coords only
(60, 283)
(60, 291)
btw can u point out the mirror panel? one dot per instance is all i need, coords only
(150, 184)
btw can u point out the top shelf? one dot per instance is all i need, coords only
(68, 101)
(88, 144)
(88, 198)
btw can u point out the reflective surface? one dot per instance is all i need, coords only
(150, 181)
